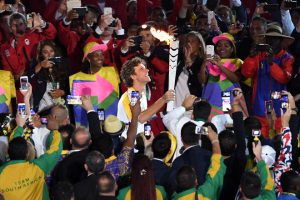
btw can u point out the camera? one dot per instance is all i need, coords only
(284, 101)
(235, 92)
(290, 4)
(256, 133)
(271, 7)
(276, 95)
(262, 47)
(269, 107)
(137, 40)
(192, 1)
(101, 114)
(56, 60)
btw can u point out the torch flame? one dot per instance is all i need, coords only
(161, 35)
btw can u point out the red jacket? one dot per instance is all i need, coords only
(74, 44)
(17, 59)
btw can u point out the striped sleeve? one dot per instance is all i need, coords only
(267, 182)
(284, 161)
(48, 160)
(214, 180)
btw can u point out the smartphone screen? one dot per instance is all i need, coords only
(147, 131)
(29, 19)
(101, 114)
(74, 100)
(284, 101)
(44, 120)
(134, 96)
(210, 50)
(210, 16)
(24, 83)
(22, 109)
(107, 11)
(226, 106)
(269, 106)
(256, 132)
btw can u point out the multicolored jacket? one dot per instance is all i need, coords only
(21, 179)
(267, 78)
(212, 185)
(267, 182)
(125, 193)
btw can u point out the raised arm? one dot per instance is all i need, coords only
(132, 130)
(267, 182)
(92, 116)
(48, 160)
(215, 175)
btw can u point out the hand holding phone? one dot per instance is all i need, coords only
(210, 16)
(134, 96)
(24, 83)
(101, 114)
(256, 133)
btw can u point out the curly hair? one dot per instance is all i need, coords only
(128, 70)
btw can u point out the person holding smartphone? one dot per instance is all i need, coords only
(220, 73)
(49, 76)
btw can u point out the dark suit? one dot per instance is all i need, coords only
(196, 157)
(162, 175)
(71, 169)
(86, 189)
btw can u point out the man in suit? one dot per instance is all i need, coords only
(94, 164)
(71, 169)
(161, 146)
(192, 155)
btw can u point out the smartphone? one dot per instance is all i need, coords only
(101, 114)
(262, 47)
(22, 109)
(113, 23)
(134, 96)
(271, 7)
(81, 11)
(107, 11)
(55, 86)
(210, 50)
(10, 1)
(210, 16)
(137, 40)
(290, 4)
(199, 99)
(226, 106)
(192, 1)
(29, 20)
(284, 101)
(269, 106)
(234, 93)
(275, 95)
(204, 130)
(147, 131)
(256, 133)
(24, 83)
(74, 100)
(44, 120)
(56, 60)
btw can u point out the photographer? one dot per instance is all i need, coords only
(49, 77)
(270, 69)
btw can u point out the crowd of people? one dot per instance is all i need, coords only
(88, 112)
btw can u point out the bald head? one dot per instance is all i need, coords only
(61, 114)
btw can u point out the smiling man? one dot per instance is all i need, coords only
(136, 76)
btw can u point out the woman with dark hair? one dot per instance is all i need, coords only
(221, 73)
(48, 76)
(189, 65)
(142, 182)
